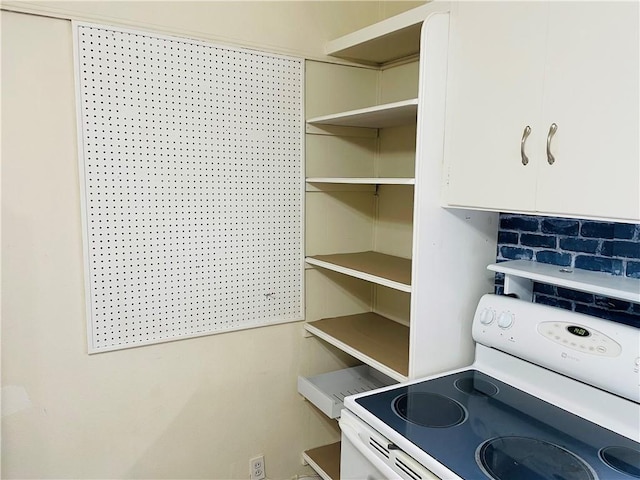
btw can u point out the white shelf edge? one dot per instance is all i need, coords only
(599, 283)
(338, 131)
(382, 368)
(385, 282)
(378, 116)
(379, 29)
(363, 180)
(339, 187)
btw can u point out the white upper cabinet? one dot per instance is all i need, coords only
(535, 64)
(591, 94)
(495, 90)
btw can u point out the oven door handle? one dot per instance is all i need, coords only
(353, 437)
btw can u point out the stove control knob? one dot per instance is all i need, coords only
(505, 319)
(487, 316)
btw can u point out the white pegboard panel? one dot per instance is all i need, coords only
(192, 186)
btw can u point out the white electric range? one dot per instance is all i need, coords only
(551, 395)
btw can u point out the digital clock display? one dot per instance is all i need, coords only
(578, 331)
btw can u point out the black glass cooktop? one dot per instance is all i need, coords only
(480, 427)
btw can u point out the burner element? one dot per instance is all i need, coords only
(508, 458)
(622, 459)
(429, 409)
(476, 386)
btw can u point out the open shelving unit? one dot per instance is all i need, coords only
(375, 232)
(380, 343)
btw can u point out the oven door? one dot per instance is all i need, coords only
(357, 465)
(365, 455)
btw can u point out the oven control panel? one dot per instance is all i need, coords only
(580, 337)
(580, 346)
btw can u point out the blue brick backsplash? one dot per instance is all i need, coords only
(599, 246)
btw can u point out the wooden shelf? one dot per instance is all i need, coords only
(391, 39)
(380, 116)
(379, 268)
(599, 283)
(363, 181)
(371, 338)
(325, 460)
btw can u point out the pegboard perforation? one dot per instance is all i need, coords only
(192, 186)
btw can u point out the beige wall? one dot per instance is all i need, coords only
(292, 27)
(197, 408)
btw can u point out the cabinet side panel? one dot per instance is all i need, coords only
(451, 248)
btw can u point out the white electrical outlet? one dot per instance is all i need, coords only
(256, 468)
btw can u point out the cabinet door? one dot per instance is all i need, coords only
(591, 93)
(494, 91)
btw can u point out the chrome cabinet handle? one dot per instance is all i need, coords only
(525, 135)
(552, 131)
